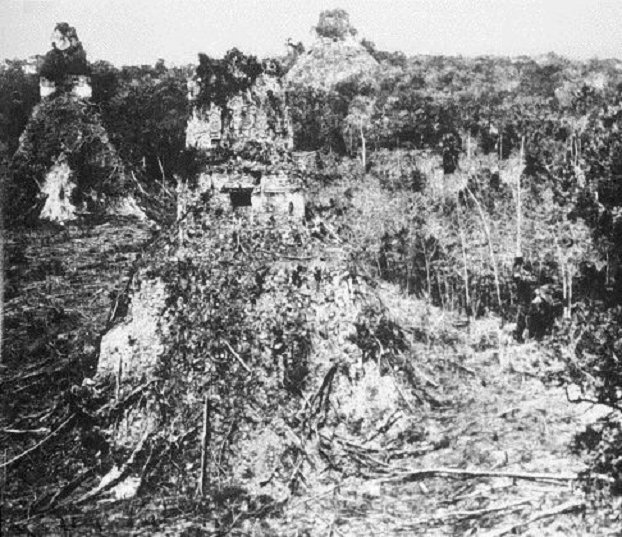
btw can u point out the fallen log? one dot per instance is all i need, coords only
(567, 507)
(422, 473)
(40, 444)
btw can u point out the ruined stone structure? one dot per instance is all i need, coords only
(260, 175)
(47, 170)
(80, 86)
(258, 115)
(309, 285)
(307, 161)
(65, 66)
(243, 304)
(329, 62)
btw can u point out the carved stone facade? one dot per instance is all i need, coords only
(261, 176)
(257, 115)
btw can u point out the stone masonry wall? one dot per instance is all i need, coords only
(257, 115)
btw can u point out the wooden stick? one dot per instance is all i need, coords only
(34, 448)
(421, 473)
(63, 492)
(510, 506)
(205, 441)
(567, 507)
(41, 430)
(121, 474)
(237, 357)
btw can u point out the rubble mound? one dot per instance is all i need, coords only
(267, 330)
(329, 62)
(65, 166)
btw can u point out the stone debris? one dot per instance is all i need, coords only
(57, 189)
(131, 348)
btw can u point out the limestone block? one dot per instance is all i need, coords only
(58, 187)
(82, 87)
(126, 207)
(198, 131)
(132, 349)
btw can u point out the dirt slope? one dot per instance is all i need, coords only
(475, 404)
(491, 415)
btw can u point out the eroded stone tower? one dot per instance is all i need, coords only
(248, 145)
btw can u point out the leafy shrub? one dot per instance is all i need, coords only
(602, 441)
(594, 364)
(237, 332)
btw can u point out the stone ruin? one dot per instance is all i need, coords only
(329, 62)
(65, 66)
(241, 295)
(44, 185)
(260, 174)
(80, 86)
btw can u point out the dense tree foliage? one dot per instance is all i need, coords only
(519, 212)
(145, 111)
(19, 92)
(219, 79)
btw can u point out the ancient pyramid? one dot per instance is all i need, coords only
(331, 60)
(65, 165)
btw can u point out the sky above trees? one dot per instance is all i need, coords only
(141, 31)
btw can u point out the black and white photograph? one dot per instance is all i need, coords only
(311, 268)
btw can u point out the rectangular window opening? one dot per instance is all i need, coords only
(240, 198)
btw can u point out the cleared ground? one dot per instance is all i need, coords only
(489, 426)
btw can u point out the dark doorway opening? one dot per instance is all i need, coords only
(240, 198)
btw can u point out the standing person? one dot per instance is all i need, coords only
(524, 283)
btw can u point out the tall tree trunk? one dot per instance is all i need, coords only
(519, 211)
(467, 298)
(205, 441)
(427, 269)
(465, 276)
(363, 149)
(569, 293)
(490, 247)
